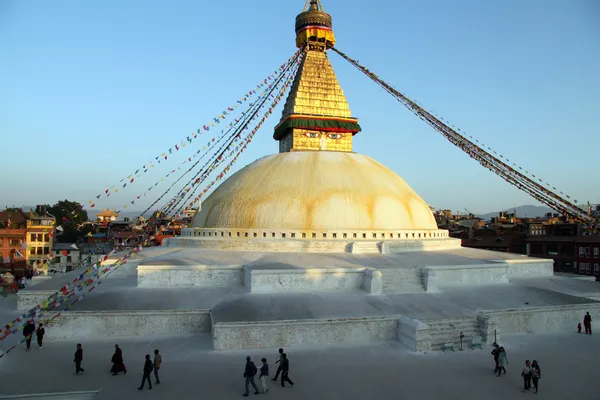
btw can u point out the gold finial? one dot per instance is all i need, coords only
(313, 5)
(314, 24)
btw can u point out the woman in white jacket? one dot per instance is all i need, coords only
(502, 361)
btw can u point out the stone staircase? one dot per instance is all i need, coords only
(443, 331)
(399, 280)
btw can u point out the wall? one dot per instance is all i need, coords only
(302, 280)
(498, 271)
(81, 324)
(529, 267)
(321, 332)
(29, 298)
(189, 275)
(434, 277)
(543, 319)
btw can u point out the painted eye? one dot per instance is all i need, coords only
(334, 136)
(313, 135)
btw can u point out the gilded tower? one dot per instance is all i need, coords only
(316, 115)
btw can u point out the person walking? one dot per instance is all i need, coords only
(146, 373)
(279, 366)
(117, 360)
(496, 353)
(285, 369)
(39, 333)
(157, 362)
(249, 373)
(587, 323)
(264, 374)
(28, 332)
(536, 374)
(502, 360)
(78, 359)
(526, 374)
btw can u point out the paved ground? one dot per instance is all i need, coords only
(190, 370)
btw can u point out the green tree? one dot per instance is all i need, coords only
(69, 215)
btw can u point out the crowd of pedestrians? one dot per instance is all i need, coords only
(531, 371)
(251, 370)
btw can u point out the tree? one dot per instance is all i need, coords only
(70, 216)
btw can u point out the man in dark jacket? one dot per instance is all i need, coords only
(78, 359)
(28, 332)
(249, 374)
(147, 371)
(587, 323)
(285, 369)
(40, 332)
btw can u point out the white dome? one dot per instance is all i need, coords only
(315, 190)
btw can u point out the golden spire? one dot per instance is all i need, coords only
(316, 115)
(314, 24)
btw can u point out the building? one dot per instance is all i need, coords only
(13, 238)
(106, 216)
(505, 240)
(40, 228)
(67, 256)
(588, 255)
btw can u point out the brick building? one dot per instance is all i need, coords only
(13, 235)
(588, 255)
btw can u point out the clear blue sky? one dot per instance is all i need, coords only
(91, 90)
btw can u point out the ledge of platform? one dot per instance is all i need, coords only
(81, 324)
(497, 271)
(328, 241)
(188, 275)
(542, 319)
(319, 332)
(258, 280)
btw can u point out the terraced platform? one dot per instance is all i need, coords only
(257, 300)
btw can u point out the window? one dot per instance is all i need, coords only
(596, 267)
(46, 238)
(33, 237)
(14, 242)
(39, 251)
(596, 251)
(46, 250)
(587, 252)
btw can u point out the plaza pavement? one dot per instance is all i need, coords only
(192, 370)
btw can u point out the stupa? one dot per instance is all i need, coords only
(316, 194)
(318, 245)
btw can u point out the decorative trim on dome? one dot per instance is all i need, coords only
(314, 32)
(320, 123)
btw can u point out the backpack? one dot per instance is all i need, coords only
(254, 369)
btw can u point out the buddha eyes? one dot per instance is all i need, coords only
(316, 135)
(313, 135)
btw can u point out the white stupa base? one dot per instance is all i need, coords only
(402, 272)
(315, 241)
(316, 300)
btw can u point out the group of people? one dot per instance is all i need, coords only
(587, 323)
(531, 372)
(29, 329)
(251, 370)
(118, 365)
